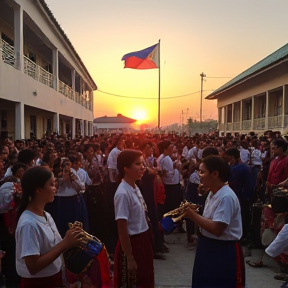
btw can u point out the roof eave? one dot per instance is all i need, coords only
(214, 96)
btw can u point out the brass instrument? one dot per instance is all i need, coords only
(181, 209)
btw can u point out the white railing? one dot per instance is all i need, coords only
(45, 77)
(77, 98)
(229, 126)
(236, 126)
(66, 90)
(285, 120)
(30, 68)
(259, 124)
(246, 125)
(8, 53)
(275, 122)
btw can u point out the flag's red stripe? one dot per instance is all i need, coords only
(137, 63)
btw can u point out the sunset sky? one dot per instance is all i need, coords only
(218, 37)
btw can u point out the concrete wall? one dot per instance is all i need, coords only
(19, 87)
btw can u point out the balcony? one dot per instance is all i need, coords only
(7, 55)
(230, 126)
(236, 126)
(275, 122)
(246, 125)
(259, 124)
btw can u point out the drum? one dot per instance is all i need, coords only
(279, 201)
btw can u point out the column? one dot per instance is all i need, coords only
(73, 128)
(225, 119)
(232, 117)
(252, 112)
(283, 107)
(82, 127)
(73, 78)
(241, 114)
(91, 101)
(0, 46)
(86, 128)
(19, 121)
(18, 38)
(55, 68)
(267, 111)
(56, 123)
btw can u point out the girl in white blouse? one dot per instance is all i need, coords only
(38, 242)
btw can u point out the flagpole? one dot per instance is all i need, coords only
(159, 89)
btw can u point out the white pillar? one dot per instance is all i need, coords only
(91, 97)
(225, 118)
(56, 123)
(55, 68)
(241, 114)
(252, 112)
(82, 127)
(19, 121)
(73, 127)
(91, 129)
(18, 38)
(283, 107)
(267, 111)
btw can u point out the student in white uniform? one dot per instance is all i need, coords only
(38, 242)
(133, 256)
(219, 258)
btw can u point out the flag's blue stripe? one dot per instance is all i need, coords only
(142, 54)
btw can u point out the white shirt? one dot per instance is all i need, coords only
(128, 204)
(185, 152)
(192, 153)
(199, 154)
(280, 243)
(70, 188)
(256, 157)
(83, 176)
(244, 155)
(194, 177)
(171, 175)
(223, 206)
(36, 236)
(112, 158)
(8, 172)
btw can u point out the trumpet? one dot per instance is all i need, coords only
(181, 209)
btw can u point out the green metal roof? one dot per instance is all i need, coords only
(269, 60)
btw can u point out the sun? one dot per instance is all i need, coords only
(140, 115)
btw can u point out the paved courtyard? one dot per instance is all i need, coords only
(176, 270)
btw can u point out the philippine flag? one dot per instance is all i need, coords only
(145, 59)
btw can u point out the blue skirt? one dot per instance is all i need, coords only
(68, 209)
(218, 264)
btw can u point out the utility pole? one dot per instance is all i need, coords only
(202, 75)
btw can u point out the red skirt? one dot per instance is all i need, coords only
(143, 255)
(54, 281)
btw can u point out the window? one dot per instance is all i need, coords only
(247, 108)
(49, 126)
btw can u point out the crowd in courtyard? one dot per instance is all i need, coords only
(114, 189)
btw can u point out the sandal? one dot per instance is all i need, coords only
(257, 264)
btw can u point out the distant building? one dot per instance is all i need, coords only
(44, 85)
(112, 124)
(257, 99)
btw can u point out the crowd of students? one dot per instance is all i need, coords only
(120, 186)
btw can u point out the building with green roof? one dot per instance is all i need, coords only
(256, 100)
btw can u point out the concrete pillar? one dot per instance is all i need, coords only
(241, 114)
(91, 129)
(55, 68)
(283, 107)
(56, 123)
(225, 119)
(73, 127)
(82, 127)
(19, 121)
(91, 97)
(19, 38)
(252, 112)
(73, 78)
(267, 111)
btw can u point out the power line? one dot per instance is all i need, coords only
(150, 98)
(221, 77)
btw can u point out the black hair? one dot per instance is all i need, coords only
(144, 143)
(234, 152)
(17, 166)
(87, 146)
(208, 151)
(217, 163)
(26, 156)
(281, 143)
(163, 145)
(126, 159)
(73, 159)
(33, 179)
